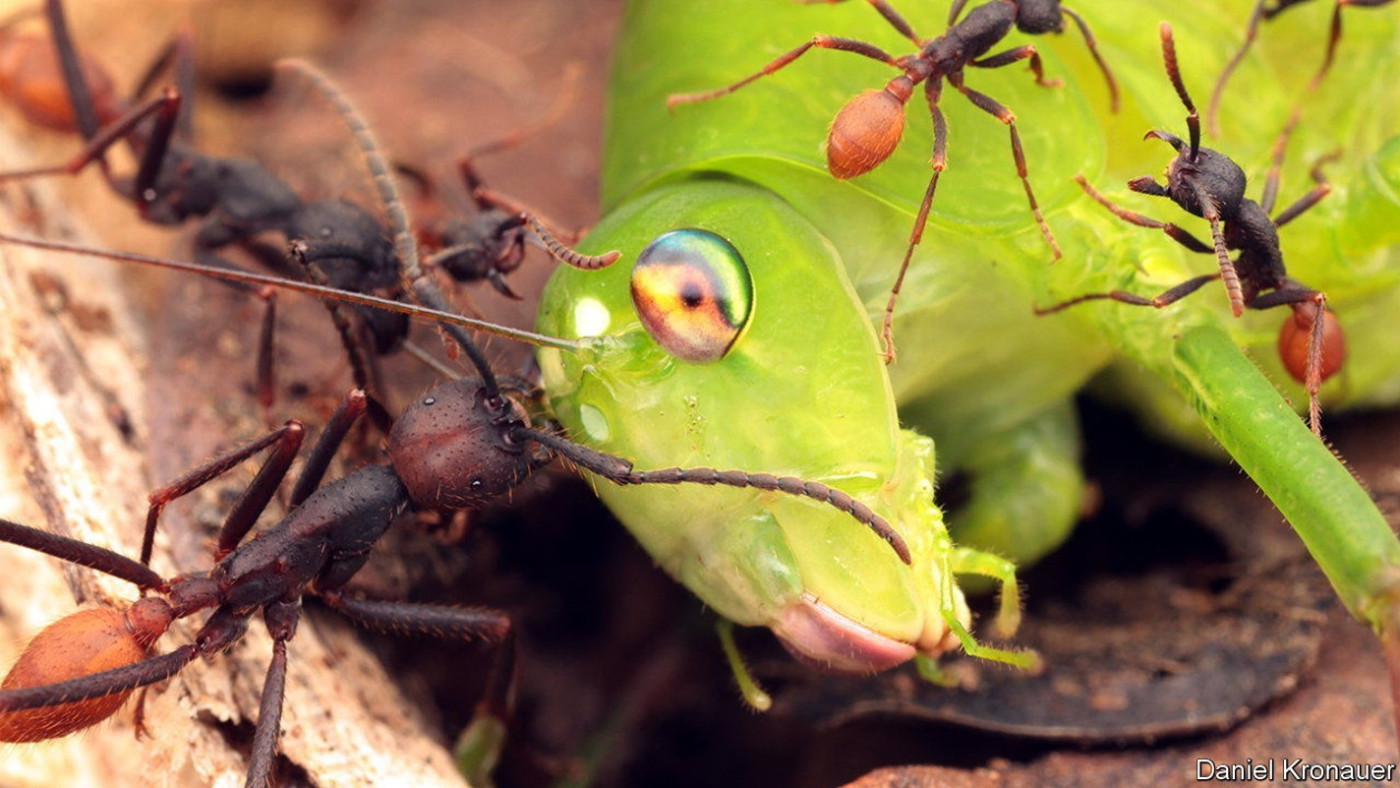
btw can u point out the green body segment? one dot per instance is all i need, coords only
(977, 369)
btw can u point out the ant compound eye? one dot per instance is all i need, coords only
(693, 293)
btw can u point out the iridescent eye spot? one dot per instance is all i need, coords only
(693, 293)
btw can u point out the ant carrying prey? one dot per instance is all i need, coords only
(867, 129)
(1209, 184)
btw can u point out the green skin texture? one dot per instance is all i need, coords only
(976, 369)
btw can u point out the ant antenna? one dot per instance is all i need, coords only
(423, 289)
(1193, 120)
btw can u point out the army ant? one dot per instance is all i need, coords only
(866, 131)
(1208, 184)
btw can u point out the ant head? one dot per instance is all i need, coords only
(1034, 17)
(453, 448)
(867, 130)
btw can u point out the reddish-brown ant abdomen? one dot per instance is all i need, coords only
(1293, 339)
(31, 81)
(864, 133)
(84, 643)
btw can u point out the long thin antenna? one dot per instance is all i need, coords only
(420, 286)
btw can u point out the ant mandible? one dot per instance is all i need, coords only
(1206, 183)
(239, 200)
(867, 130)
(1264, 12)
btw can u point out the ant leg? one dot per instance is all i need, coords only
(79, 92)
(822, 42)
(939, 162)
(1313, 197)
(992, 107)
(954, 11)
(78, 552)
(97, 146)
(176, 55)
(346, 414)
(1093, 45)
(1016, 55)
(361, 367)
(100, 685)
(265, 364)
(479, 745)
(898, 22)
(1174, 232)
(1165, 298)
(1249, 34)
(281, 619)
(1326, 348)
(620, 471)
(286, 441)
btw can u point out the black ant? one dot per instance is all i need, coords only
(1264, 12)
(239, 200)
(1208, 184)
(459, 445)
(866, 131)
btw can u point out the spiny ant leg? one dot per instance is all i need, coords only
(821, 42)
(102, 684)
(1174, 232)
(281, 618)
(1093, 45)
(287, 440)
(939, 162)
(990, 105)
(1165, 298)
(1249, 35)
(439, 621)
(1015, 56)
